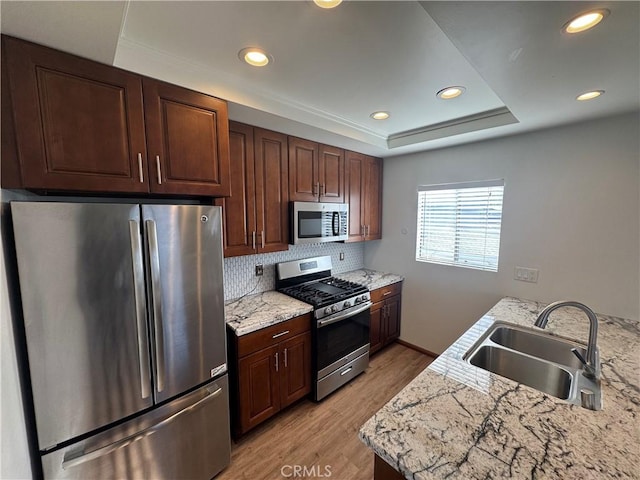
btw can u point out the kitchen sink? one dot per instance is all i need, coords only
(537, 360)
(538, 345)
(541, 375)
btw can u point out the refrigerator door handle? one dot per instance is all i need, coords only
(75, 459)
(138, 281)
(156, 297)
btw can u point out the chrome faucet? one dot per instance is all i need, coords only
(591, 362)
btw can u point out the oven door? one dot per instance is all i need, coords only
(339, 336)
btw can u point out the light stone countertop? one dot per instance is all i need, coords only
(253, 312)
(370, 278)
(458, 421)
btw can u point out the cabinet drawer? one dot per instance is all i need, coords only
(385, 292)
(266, 337)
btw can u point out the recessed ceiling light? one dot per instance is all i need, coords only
(380, 115)
(327, 3)
(450, 92)
(589, 95)
(585, 21)
(254, 56)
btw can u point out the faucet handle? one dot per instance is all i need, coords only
(589, 370)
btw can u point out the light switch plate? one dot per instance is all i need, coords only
(525, 274)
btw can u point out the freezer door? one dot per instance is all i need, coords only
(82, 285)
(186, 298)
(186, 438)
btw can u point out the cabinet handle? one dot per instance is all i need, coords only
(362, 230)
(285, 358)
(280, 334)
(253, 235)
(158, 169)
(140, 168)
(322, 190)
(262, 237)
(318, 188)
(386, 293)
(276, 361)
(368, 230)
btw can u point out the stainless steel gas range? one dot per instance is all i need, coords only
(340, 329)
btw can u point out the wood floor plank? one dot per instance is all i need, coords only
(325, 435)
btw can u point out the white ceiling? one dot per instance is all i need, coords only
(332, 68)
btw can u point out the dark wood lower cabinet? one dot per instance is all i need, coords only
(259, 391)
(383, 471)
(385, 316)
(269, 370)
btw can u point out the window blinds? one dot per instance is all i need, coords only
(459, 224)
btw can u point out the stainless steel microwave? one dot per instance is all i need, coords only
(312, 222)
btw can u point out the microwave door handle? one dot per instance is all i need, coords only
(330, 320)
(156, 297)
(335, 224)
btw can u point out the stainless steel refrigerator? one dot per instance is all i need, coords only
(125, 336)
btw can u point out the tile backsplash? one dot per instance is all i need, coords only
(239, 272)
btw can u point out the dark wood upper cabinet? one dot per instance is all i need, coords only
(316, 172)
(187, 140)
(364, 195)
(79, 125)
(272, 192)
(239, 209)
(331, 174)
(255, 214)
(304, 175)
(83, 126)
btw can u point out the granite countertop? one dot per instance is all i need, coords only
(370, 278)
(253, 312)
(458, 421)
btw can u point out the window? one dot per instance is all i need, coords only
(459, 224)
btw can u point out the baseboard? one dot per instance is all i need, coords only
(417, 348)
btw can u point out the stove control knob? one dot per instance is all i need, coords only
(328, 310)
(347, 304)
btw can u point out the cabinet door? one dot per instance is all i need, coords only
(187, 139)
(239, 209)
(272, 191)
(304, 177)
(79, 124)
(258, 379)
(295, 375)
(376, 331)
(331, 174)
(373, 203)
(392, 306)
(354, 168)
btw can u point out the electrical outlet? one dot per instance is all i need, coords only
(525, 274)
(259, 270)
(341, 255)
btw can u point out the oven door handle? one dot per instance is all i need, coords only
(342, 316)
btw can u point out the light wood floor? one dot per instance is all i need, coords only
(317, 435)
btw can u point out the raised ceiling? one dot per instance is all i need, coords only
(333, 68)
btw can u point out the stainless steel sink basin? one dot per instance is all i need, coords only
(537, 360)
(543, 376)
(538, 345)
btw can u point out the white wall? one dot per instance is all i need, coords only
(571, 210)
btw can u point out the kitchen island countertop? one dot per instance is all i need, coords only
(455, 420)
